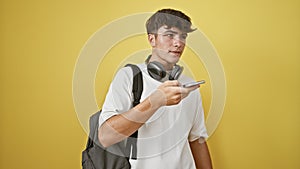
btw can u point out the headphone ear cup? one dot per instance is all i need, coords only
(176, 72)
(156, 70)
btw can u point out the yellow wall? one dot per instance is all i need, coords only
(257, 41)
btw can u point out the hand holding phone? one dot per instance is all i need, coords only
(191, 84)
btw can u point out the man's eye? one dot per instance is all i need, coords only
(183, 37)
(170, 35)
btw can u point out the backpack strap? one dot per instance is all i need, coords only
(93, 135)
(137, 89)
(137, 86)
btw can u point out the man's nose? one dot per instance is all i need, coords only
(177, 42)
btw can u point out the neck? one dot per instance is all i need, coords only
(167, 66)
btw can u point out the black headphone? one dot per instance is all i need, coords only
(157, 71)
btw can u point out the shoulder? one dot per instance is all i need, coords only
(123, 74)
(127, 70)
(124, 71)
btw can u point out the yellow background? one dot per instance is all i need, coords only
(257, 41)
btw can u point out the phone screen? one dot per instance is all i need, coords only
(191, 84)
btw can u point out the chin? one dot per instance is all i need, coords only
(174, 60)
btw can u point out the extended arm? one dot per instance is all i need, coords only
(120, 126)
(201, 154)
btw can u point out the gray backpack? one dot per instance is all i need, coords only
(116, 156)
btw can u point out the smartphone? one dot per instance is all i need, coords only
(191, 84)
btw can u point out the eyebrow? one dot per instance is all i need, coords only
(170, 31)
(174, 32)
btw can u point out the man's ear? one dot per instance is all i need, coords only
(151, 39)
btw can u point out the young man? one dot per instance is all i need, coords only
(169, 119)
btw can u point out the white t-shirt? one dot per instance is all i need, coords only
(163, 141)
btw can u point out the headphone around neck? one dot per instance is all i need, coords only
(157, 71)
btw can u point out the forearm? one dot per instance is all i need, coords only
(119, 127)
(201, 155)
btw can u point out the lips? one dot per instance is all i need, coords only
(176, 52)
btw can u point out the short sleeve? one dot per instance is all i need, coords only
(119, 96)
(198, 129)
